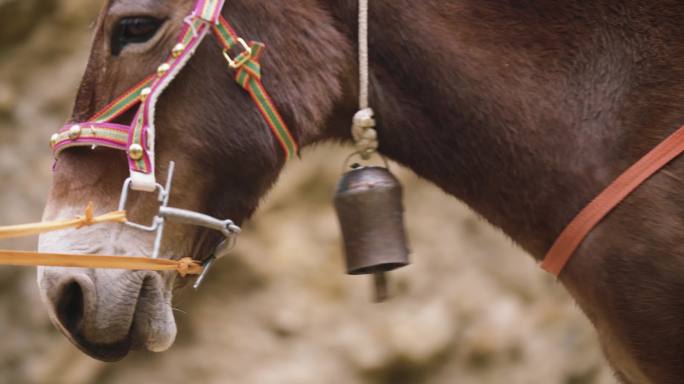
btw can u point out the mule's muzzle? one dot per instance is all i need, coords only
(70, 311)
(106, 327)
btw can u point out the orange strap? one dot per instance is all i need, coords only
(185, 266)
(573, 235)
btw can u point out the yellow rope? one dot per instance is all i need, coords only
(79, 222)
(185, 266)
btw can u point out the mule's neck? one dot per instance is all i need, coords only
(524, 114)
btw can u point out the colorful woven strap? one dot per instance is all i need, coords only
(248, 75)
(138, 139)
(97, 134)
(209, 10)
(122, 103)
(142, 129)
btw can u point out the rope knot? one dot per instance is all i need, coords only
(364, 133)
(188, 266)
(88, 217)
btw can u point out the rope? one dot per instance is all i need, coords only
(363, 125)
(363, 54)
(79, 222)
(184, 267)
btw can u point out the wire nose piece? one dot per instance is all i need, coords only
(183, 216)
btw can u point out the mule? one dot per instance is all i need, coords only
(523, 110)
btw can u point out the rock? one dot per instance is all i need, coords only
(8, 101)
(421, 335)
(363, 349)
(19, 17)
(496, 333)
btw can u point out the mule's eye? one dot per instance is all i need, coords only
(132, 30)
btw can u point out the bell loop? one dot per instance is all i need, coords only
(346, 165)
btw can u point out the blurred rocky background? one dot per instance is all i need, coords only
(471, 309)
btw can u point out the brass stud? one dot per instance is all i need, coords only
(74, 132)
(54, 139)
(144, 93)
(135, 151)
(162, 69)
(178, 50)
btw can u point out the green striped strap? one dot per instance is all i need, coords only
(142, 125)
(122, 103)
(209, 10)
(248, 75)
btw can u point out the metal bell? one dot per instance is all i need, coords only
(368, 201)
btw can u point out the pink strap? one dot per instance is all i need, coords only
(209, 10)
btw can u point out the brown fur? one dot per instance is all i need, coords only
(523, 109)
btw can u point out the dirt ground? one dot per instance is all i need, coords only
(472, 308)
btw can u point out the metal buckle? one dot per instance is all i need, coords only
(240, 59)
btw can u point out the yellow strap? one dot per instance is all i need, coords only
(81, 221)
(185, 266)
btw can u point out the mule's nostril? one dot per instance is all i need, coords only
(70, 307)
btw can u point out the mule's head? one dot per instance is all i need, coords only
(225, 154)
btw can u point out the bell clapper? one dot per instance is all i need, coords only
(380, 287)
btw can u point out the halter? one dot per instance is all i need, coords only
(138, 138)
